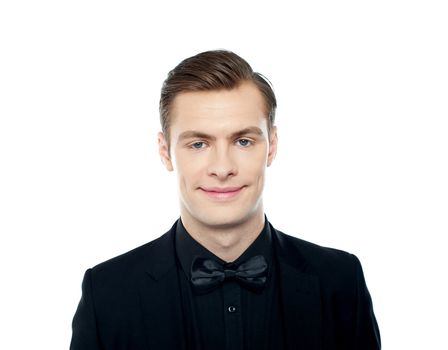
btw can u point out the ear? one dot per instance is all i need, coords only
(272, 145)
(163, 152)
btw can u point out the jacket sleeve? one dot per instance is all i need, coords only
(84, 328)
(367, 335)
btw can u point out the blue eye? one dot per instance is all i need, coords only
(244, 142)
(199, 144)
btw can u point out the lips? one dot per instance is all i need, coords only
(221, 193)
(221, 189)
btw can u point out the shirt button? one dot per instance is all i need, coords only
(231, 309)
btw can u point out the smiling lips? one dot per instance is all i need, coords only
(221, 192)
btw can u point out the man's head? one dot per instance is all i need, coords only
(218, 133)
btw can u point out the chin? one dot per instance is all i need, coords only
(222, 218)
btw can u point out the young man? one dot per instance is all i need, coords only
(223, 277)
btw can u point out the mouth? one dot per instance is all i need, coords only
(221, 193)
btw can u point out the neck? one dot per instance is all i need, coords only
(227, 242)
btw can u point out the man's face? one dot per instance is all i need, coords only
(220, 149)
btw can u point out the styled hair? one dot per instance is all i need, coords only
(212, 70)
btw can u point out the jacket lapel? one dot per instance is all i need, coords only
(300, 297)
(160, 296)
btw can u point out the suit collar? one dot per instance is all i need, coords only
(160, 260)
(160, 296)
(300, 295)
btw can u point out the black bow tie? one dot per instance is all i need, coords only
(207, 274)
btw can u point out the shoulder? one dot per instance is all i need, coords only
(329, 264)
(132, 263)
(312, 251)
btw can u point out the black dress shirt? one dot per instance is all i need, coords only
(230, 316)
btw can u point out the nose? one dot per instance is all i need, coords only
(221, 164)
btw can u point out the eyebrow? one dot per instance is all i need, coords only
(193, 134)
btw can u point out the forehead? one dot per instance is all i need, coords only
(219, 110)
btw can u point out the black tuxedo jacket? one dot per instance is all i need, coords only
(132, 302)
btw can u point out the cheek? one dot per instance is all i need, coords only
(188, 170)
(254, 159)
(253, 166)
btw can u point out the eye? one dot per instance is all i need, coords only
(244, 142)
(197, 145)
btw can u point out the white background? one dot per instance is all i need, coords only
(362, 89)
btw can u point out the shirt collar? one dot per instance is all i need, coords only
(187, 247)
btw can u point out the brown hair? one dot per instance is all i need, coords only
(212, 70)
